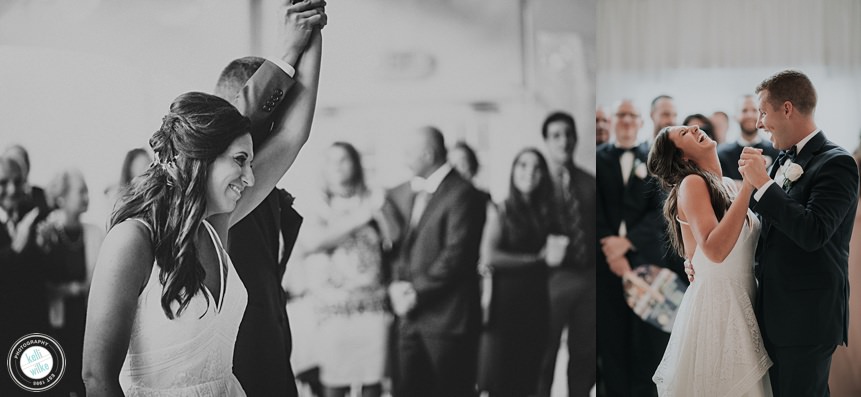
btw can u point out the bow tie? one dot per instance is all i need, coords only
(787, 155)
(618, 151)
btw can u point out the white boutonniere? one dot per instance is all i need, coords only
(791, 173)
(640, 169)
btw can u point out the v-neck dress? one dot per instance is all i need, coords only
(191, 355)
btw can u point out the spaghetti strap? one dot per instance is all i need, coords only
(146, 224)
(220, 251)
(682, 222)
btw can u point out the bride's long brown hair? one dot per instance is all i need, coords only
(666, 163)
(171, 195)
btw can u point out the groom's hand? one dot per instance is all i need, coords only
(751, 165)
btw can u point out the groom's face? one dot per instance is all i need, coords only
(772, 121)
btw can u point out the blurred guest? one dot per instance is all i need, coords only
(72, 248)
(701, 121)
(435, 289)
(351, 299)
(602, 125)
(32, 194)
(23, 306)
(630, 234)
(516, 251)
(747, 115)
(135, 163)
(846, 361)
(463, 159)
(663, 113)
(572, 284)
(720, 122)
(261, 243)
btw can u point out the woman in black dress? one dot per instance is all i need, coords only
(515, 251)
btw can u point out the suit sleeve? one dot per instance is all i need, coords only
(811, 225)
(261, 96)
(459, 256)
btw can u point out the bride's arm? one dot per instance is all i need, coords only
(292, 130)
(715, 239)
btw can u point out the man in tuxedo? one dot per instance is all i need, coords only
(435, 289)
(261, 243)
(807, 205)
(630, 233)
(747, 116)
(663, 113)
(572, 284)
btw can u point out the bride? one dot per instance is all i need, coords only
(715, 348)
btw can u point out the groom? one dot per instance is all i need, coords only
(807, 206)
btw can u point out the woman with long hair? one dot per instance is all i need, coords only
(342, 239)
(715, 347)
(166, 303)
(516, 251)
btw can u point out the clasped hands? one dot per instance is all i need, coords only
(403, 297)
(614, 249)
(752, 165)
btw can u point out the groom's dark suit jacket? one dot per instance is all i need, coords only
(803, 250)
(264, 334)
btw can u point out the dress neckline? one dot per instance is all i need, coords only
(219, 250)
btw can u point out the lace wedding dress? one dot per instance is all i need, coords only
(191, 355)
(715, 348)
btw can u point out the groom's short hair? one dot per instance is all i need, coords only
(235, 75)
(792, 86)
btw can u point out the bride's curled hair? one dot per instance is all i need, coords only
(171, 195)
(667, 164)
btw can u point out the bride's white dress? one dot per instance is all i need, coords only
(191, 355)
(715, 347)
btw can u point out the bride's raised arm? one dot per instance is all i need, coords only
(715, 238)
(291, 130)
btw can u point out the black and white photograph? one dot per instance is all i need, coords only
(297, 198)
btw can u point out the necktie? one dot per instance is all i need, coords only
(420, 202)
(571, 207)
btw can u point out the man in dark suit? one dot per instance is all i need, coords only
(728, 153)
(261, 243)
(572, 284)
(807, 206)
(630, 233)
(435, 289)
